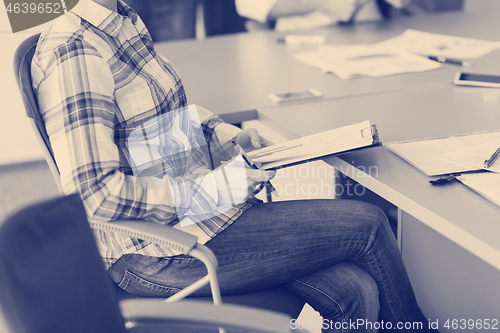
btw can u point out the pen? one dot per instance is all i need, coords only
(276, 150)
(492, 159)
(451, 61)
(252, 165)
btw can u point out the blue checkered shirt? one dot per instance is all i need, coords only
(100, 86)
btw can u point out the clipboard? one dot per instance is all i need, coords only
(446, 155)
(317, 146)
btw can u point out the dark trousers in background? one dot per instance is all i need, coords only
(167, 19)
(176, 19)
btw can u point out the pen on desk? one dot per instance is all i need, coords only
(492, 158)
(451, 61)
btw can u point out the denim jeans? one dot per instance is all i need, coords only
(340, 256)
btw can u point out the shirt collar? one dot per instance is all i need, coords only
(102, 18)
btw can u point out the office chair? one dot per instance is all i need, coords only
(52, 279)
(276, 299)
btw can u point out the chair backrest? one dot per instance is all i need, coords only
(52, 278)
(22, 69)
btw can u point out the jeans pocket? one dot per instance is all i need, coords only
(136, 285)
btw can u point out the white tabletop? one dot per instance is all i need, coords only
(236, 72)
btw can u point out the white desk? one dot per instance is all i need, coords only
(450, 235)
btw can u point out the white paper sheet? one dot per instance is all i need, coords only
(486, 184)
(449, 155)
(349, 61)
(426, 155)
(431, 44)
(476, 155)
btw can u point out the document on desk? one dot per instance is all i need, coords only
(430, 44)
(453, 154)
(349, 61)
(426, 155)
(476, 156)
(317, 145)
(487, 184)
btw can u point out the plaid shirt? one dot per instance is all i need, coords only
(106, 98)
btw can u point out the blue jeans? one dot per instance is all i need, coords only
(339, 256)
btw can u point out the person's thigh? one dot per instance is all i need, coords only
(270, 244)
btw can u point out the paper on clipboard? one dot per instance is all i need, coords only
(447, 155)
(476, 155)
(316, 145)
(426, 155)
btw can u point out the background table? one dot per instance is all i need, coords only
(236, 72)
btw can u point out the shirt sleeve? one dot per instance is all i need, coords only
(257, 10)
(214, 127)
(75, 98)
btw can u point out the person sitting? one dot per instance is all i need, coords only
(289, 15)
(125, 139)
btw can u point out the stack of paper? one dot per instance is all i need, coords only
(454, 154)
(406, 53)
(476, 155)
(430, 44)
(350, 61)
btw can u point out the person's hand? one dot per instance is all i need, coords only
(256, 179)
(250, 139)
(236, 181)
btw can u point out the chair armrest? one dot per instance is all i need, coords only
(206, 313)
(160, 234)
(175, 239)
